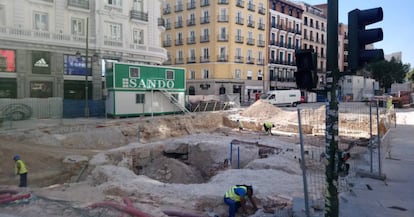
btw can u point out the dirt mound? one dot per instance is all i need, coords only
(262, 109)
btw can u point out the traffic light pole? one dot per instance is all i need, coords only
(331, 134)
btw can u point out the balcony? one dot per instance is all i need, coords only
(261, 26)
(222, 37)
(223, 18)
(191, 22)
(179, 60)
(166, 11)
(179, 42)
(250, 23)
(167, 26)
(178, 24)
(166, 43)
(239, 20)
(161, 22)
(260, 43)
(84, 4)
(239, 39)
(139, 15)
(204, 20)
(222, 58)
(191, 60)
(205, 3)
(191, 40)
(250, 41)
(249, 60)
(191, 5)
(179, 7)
(260, 62)
(223, 2)
(204, 38)
(251, 6)
(51, 1)
(240, 3)
(204, 59)
(238, 59)
(262, 11)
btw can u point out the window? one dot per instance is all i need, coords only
(117, 3)
(139, 5)
(134, 72)
(114, 31)
(249, 75)
(140, 98)
(206, 53)
(192, 74)
(138, 36)
(41, 21)
(192, 55)
(78, 26)
(237, 74)
(169, 75)
(2, 16)
(204, 74)
(281, 56)
(222, 53)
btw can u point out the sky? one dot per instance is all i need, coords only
(397, 25)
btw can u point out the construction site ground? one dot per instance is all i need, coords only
(164, 164)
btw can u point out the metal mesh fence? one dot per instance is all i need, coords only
(359, 127)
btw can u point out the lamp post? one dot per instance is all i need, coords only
(78, 55)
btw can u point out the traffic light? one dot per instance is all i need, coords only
(359, 37)
(306, 75)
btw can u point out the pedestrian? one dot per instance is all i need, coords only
(20, 169)
(236, 197)
(268, 128)
(240, 125)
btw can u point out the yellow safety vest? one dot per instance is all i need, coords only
(232, 195)
(22, 170)
(268, 125)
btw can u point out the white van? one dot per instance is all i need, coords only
(283, 97)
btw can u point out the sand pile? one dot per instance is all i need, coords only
(263, 111)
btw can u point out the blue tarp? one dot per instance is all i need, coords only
(76, 108)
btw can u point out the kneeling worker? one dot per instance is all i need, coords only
(236, 197)
(268, 127)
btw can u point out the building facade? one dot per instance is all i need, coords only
(314, 37)
(285, 36)
(222, 45)
(343, 47)
(44, 44)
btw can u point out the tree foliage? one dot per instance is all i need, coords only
(388, 72)
(410, 76)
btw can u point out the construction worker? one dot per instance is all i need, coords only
(268, 128)
(240, 125)
(236, 197)
(20, 169)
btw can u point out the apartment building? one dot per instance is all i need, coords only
(285, 36)
(43, 44)
(342, 47)
(342, 41)
(314, 37)
(221, 43)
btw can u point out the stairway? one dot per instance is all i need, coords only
(175, 101)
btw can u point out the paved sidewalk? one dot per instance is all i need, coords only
(395, 196)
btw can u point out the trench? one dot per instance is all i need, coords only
(187, 163)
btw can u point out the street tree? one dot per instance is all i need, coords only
(388, 72)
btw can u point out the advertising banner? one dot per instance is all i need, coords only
(76, 66)
(7, 60)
